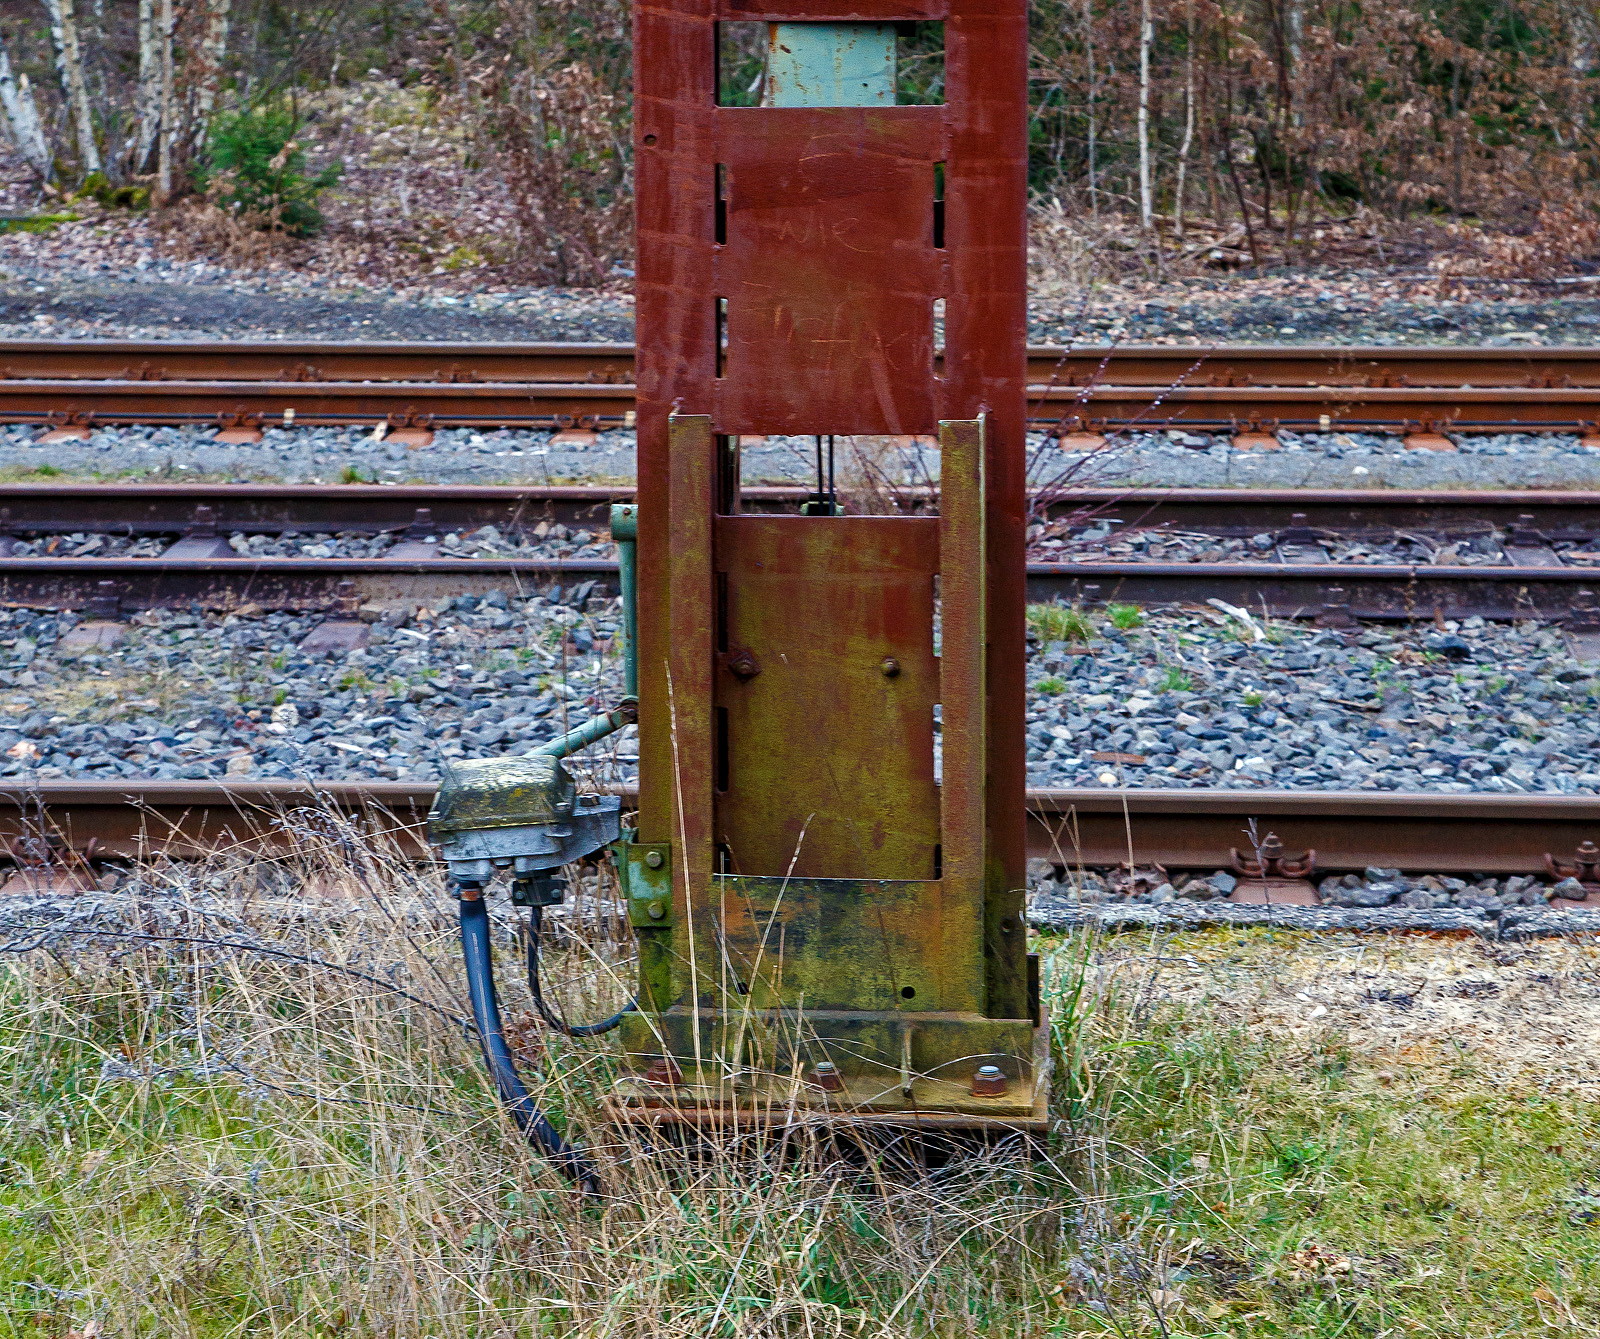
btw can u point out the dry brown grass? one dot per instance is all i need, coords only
(266, 1115)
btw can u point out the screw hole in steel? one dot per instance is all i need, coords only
(908, 992)
(650, 141)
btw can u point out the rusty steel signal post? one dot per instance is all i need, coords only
(827, 877)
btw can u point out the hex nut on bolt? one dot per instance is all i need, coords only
(664, 1073)
(825, 1074)
(989, 1081)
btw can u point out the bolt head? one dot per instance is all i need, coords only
(890, 667)
(655, 911)
(665, 1072)
(825, 1075)
(653, 859)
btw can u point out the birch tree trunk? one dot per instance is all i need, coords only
(1146, 28)
(1188, 122)
(69, 66)
(213, 47)
(168, 105)
(22, 115)
(1094, 123)
(148, 104)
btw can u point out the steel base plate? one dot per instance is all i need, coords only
(785, 1102)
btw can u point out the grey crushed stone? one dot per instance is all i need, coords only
(187, 694)
(158, 297)
(352, 453)
(1180, 459)
(1080, 542)
(1047, 914)
(167, 299)
(1072, 893)
(1187, 699)
(1193, 698)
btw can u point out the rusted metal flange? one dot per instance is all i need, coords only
(1269, 875)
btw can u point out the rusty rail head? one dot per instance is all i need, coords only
(147, 508)
(1181, 829)
(466, 363)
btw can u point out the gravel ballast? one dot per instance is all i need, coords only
(46, 292)
(1198, 698)
(355, 454)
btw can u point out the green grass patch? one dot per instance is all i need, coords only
(1284, 1180)
(34, 223)
(1175, 680)
(1056, 622)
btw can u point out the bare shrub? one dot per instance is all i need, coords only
(547, 98)
(558, 142)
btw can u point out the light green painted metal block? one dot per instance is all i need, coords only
(830, 65)
(646, 870)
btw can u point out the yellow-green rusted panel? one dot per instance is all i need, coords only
(827, 685)
(877, 945)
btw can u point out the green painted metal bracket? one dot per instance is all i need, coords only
(646, 870)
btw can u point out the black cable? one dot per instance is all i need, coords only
(560, 1024)
(497, 1055)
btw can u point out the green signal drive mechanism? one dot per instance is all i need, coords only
(519, 814)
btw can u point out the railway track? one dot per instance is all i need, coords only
(60, 821)
(1534, 571)
(1124, 365)
(76, 385)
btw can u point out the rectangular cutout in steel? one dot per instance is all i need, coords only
(919, 63)
(722, 337)
(741, 47)
(830, 64)
(721, 225)
(938, 206)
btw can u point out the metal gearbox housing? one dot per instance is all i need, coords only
(518, 815)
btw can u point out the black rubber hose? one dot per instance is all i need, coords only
(550, 1016)
(497, 1055)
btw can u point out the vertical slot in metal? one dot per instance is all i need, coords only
(722, 337)
(728, 483)
(724, 770)
(938, 205)
(722, 209)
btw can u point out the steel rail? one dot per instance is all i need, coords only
(165, 509)
(1126, 364)
(1390, 592)
(110, 586)
(1195, 829)
(318, 403)
(598, 406)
